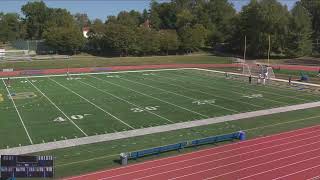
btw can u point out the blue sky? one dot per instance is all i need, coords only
(103, 8)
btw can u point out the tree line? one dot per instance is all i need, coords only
(178, 26)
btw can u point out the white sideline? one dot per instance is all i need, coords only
(151, 97)
(83, 74)
(57, 107)
(93, 104)
(155, 70)
(151, 130)
(14, 104)
(125, 101)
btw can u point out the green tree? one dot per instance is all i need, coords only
(82, 20)
(119, 38)
(168, 40)
(313, 6)
(257, 21)
(10, 27)
(62, 32)
(147, 41)
(299, 42)
(36, 15)
(192, 38)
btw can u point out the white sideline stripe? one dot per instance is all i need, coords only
(125, 101)
(57, 107)
(150, 96)
(235, 92)
(151, 130)
(232, 110)
(195, 90)
(281, 80)
(298, 172)
(14, 104)
(205, 150)
(154, 70)
(93, 104)
(221, 166)
(315, 178)
(84, 74)
(91, 159)
(286, 157)
(208, 155)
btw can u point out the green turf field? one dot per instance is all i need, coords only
(46, 109)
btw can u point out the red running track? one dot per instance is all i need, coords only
(287, 156)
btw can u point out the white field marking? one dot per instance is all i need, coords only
(125, 101)
(204, 102)
(297, 172)
(226, 165)
(270, 170)
(294, 155)
(157, 70)
(70, 120)
(268, 92)
(93, 104)
(82, 161)
(235, 92)
(253, 96)
(228, 109)
(195, 90)
(209, 155)
(147, 108)
(277, 124)
(151, 97)
(210, 149)
(84, 74)
(14, 104)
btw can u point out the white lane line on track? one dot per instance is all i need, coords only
(206, 150)
(223, 166)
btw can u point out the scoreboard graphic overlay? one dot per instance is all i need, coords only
(14, 166)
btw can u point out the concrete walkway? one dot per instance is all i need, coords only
(151, 130)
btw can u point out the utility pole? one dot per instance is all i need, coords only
(269, 51)
(245, 48)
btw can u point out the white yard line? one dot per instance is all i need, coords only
(235, 92)
(125, 101)
(93, 104)
(221, 107)
(283, 90)
(151, 97)
(152, 130)
(14, 104)
(196, 90)
(57, 107)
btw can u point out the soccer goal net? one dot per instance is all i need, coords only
(258, 70)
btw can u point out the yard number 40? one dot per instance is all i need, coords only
(73, 117)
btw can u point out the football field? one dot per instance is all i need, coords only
(36, 110)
